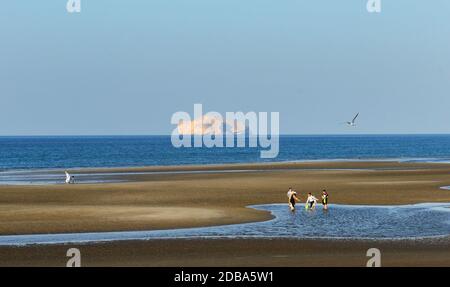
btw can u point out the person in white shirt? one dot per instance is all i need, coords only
(311, 201)
(292, 196)
(69, 179)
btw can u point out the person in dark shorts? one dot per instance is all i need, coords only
(311, 201)
(325, 199)
(293, 199)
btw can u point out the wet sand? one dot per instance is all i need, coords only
(232, 253)
(163, 201)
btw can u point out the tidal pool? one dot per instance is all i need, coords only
(339, 222)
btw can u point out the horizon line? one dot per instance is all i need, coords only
(287, 134)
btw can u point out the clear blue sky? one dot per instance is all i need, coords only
(123, 67)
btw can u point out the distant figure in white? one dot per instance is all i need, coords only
(69, 178)
(353, 123)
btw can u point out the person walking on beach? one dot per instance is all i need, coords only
(325, 199)
(311, 201)
(293, 199)
(69, 179)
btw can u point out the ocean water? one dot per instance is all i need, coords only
(424, 220)
(18, 153)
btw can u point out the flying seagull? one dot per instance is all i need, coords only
(352, 123)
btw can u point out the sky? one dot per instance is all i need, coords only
(124, 67)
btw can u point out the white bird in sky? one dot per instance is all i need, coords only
(352, 123)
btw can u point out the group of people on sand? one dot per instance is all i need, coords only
(311, 200)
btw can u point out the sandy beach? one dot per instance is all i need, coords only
(232, 253)
(151, 201)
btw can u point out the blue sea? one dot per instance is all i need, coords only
(19, 153)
